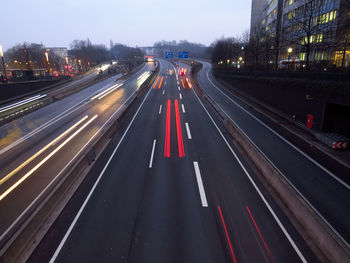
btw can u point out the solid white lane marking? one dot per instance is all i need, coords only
(200, 185)
(188, 131)
(160, 109)
(291, 241)
(180, 96)
(178, 88)
(282, 138)
(163, 92)
(63, 241)
(152, 154)
(183, 108)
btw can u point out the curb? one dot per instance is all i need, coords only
(321, 234)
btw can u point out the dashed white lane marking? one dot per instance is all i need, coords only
(200, 185)
(183, 108)
(163, 92)
(180, 96)
(291, 241)
(160, 109)
(152, 154)
(178, 83)
(188, 131)
(178, 88)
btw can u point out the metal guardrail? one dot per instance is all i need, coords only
(12, 111)
(333, 140)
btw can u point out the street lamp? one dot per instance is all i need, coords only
(67, 66)
(3, 63)
(47, 61)
(289, 50)
(47, 57)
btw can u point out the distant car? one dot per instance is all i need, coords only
(291, 64)
(171, 72)
(182, 71)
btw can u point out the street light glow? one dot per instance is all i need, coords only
(290, 50)
(47, 57)
(1, 53)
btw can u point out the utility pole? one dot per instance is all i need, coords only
(3, 64)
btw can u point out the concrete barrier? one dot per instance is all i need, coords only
(331, 245)
(27, 233)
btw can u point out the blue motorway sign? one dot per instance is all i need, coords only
(169, 55)
(183, 54)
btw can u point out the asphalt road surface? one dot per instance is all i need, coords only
(322, 189)
(36, 149)
(171, 187)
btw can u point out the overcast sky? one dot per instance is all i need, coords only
(131, 22)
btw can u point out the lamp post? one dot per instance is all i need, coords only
(47, 61)
(3, 64)
(240, 62)
(67, 66)
(289, 50)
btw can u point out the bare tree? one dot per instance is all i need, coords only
(254, 47)
(88, 52)
(307, 26)
(30, 56)
(343, 30)
(226, 51)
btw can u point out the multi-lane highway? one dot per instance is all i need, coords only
(321, 188)
(18, 107)
(36, 149)
(171, 187)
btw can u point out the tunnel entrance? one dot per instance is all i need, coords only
(337, 119)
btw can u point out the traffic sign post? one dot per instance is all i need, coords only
(183, 54)
(169, 55)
